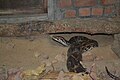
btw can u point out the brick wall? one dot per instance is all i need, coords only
(86, 8)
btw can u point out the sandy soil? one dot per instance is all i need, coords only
(21, 52)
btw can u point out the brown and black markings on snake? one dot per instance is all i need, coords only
(111, 75)
(77, 46)
(74, 58)
(83, 46)
(71, 41)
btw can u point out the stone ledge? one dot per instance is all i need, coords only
(92, 26)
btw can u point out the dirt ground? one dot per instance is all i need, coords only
(30, 53)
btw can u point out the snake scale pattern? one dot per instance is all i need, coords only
(77, 46)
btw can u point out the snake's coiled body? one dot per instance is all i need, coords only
(78, 45)
(73, 61)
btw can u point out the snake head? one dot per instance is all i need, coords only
(60, 40)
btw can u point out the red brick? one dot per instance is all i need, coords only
(84, 11)
(79, 3)
(65, 3)
(97, 11)
(107, 2)
(70, 13)
(108, 10)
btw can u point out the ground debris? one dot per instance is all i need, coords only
(33, 74)
(3, 73)
(14, 74)
(40, 74)
(20, 74)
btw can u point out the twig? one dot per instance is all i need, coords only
(44, 74)
(53, 67)
(91, 71)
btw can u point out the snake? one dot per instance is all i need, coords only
(77, 46)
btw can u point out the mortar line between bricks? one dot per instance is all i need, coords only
(73, 1)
